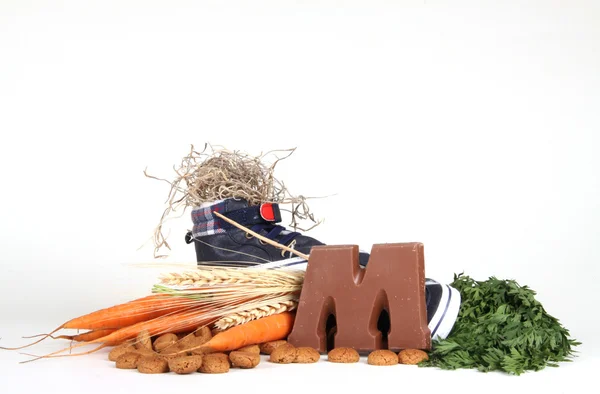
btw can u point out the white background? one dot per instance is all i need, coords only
(469, 126)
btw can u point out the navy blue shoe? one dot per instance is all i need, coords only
(218, 242)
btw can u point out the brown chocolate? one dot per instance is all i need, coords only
(394, 281)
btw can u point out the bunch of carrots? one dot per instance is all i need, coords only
(181, 309)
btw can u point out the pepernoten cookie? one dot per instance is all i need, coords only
(307, 355)
(185, 365)
(215, 363)
(283, 354)
(164, 341)
(128, 360)
(143, 341)
(343, 355)
(382, 357)
(244, 359)
(254, 349)
(152, 364)
(412, 356)
(268, 347)
(118, 351)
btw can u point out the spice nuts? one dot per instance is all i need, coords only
(343, 355)
(307, 355)
(268, 347)
(382, 357)
(244, 360)
(412, 356)
(215, 363)
(152, 364)
(164, 341)
(283, 354)
(185, 365)
(128, 360)
(144, 341)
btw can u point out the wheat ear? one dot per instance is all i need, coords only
(207, 276)
(253, 314)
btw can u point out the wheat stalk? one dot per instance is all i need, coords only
(208, 276)
(253, 314)
(211, 285)
(234, 295)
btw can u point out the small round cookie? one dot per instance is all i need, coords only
(382, 357)
(412, 356)
(164, 341)
(117, 351)
(244, 360)
(143, 341)
(146, 352)
(152, 364)
(202, 331)
(128, 360)
(343, 355)
(189, 341)
(215, 363)
(185, 365)
(172, 352)
(255, 349)
(283, 354)
(268, 347)
(194, 347)
(204, 334)
(307, 355)
(199, 351)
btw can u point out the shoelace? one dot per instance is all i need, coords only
(272, 231)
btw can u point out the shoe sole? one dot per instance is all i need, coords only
(445, 315)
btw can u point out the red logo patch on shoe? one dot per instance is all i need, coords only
(266, 211)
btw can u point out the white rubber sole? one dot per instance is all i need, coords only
(297, 263)
(442, 322)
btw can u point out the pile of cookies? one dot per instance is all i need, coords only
(180, 354)
(183, 355)
(285, 353)
(281, 352)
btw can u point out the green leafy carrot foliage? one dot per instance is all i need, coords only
(501, 327)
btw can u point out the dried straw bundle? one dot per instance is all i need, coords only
(216, 173)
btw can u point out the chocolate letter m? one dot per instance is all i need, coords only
(335, 284)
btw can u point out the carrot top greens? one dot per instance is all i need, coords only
(501, 326)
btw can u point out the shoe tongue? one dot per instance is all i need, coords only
(233, 204)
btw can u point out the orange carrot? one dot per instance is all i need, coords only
(175, 323)
(129, 313)
(267, 329)
(87, 336)
(83, 337)
(123, 315)
(270, 328)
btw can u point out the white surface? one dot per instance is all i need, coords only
(95, 374)
(478, 123)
